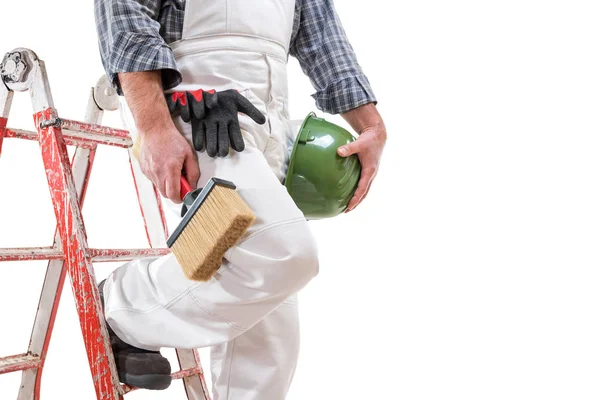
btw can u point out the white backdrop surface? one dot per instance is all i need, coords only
(470, 272)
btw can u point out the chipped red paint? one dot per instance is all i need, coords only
(72, 234)
(96, 255)
(31, 254)
(3, 122)
(110, 255)
(20, 362)
(84, 127)
(184, 373)
(43, 325)
(72, 138)
(20, 134)
(70, 254)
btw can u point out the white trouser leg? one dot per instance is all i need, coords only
(150, 304)
(260, 363)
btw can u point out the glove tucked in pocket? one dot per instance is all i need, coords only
(214, 118)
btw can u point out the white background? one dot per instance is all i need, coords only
(470, 272)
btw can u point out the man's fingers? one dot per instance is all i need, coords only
(364, 185)
(173, 188)
(191, 169)
(359, 193)
(149, 173)
(350, 148)
(245, 106)
(359, 200)
(159, 184)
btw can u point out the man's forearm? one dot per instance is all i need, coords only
(144, 94)
(365, 117)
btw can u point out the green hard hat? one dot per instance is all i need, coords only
(318, 179)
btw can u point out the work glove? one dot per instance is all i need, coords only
(214, 118)
(178, 103)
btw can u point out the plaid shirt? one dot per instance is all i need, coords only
(134, 35)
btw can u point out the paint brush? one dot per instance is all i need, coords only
(214, 219)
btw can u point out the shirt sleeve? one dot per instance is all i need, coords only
(130, 41)
(320, 44)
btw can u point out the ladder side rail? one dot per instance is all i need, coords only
(6, 96)
(67, 183)
(73, 235)
(56, 272)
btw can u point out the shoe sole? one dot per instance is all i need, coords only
(149, 382)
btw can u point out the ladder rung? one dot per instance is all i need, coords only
(108, 255)
(94, 129)
(74, 138)
(184, 373)
(97, 255)
(31, 254)
(19, 362)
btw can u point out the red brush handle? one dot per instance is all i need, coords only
(185, 187)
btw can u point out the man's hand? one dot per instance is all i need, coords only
(369, 146)
(164, 152)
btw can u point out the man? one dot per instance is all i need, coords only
(248, 312)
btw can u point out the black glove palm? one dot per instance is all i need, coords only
(214, 118)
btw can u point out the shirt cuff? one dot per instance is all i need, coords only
(345, 95)
(133, 52)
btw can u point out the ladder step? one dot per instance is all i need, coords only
(75, 138)
(31, 254)
(182, 374)
(20, 362)
(96, 255)
(110, 255)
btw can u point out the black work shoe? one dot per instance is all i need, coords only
(139, 368)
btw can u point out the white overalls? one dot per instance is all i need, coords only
(248, 312)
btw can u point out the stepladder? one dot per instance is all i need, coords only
(70, 256)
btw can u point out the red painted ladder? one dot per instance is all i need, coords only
(21, 71)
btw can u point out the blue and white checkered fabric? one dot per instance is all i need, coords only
(134, 35)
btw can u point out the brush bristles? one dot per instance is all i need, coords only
(218, 224)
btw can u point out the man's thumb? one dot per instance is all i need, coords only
(349, 149)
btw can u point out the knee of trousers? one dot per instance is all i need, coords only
(277, 260)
